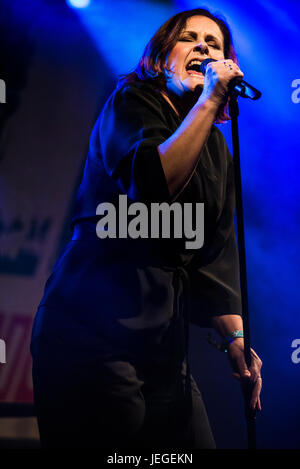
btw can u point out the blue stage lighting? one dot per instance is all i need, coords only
(78, 3)
(122, 42)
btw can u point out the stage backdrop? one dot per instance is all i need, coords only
(59, 66)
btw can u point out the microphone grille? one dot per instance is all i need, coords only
(204, 65)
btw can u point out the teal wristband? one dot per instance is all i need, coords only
(223, 346)
(230, 338)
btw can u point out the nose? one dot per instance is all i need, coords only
(202, 47)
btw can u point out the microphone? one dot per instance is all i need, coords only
(236, 85)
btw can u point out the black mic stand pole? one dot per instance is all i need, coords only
(247, 389)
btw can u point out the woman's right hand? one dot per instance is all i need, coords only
(217, 78)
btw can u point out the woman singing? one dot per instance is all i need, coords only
(110, 338)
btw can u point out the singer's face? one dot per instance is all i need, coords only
(200, 39)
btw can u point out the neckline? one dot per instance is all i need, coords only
(169, 102)
(162, 98)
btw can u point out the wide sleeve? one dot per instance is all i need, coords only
(131, 126)
(215, 282)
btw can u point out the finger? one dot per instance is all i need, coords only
(233, 67)
(256, 365)
(253, 353)
(255, 358)
(255, 397)
(227, 61)
(255, 373)
(242, 368)
(258, 404)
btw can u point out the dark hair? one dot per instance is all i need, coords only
(152, 65)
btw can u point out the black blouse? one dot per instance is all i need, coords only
(138, 283)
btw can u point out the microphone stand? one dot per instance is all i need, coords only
(246, 388)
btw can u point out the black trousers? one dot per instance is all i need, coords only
(83, 401)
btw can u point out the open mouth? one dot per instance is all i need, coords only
(193, 67)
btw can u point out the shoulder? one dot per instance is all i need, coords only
(138, 88)
(135, 91)
(135, 96)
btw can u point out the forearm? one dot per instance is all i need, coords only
(180, 153)
(227, 323)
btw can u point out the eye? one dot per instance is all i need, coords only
(185, 39)
(214, 45)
